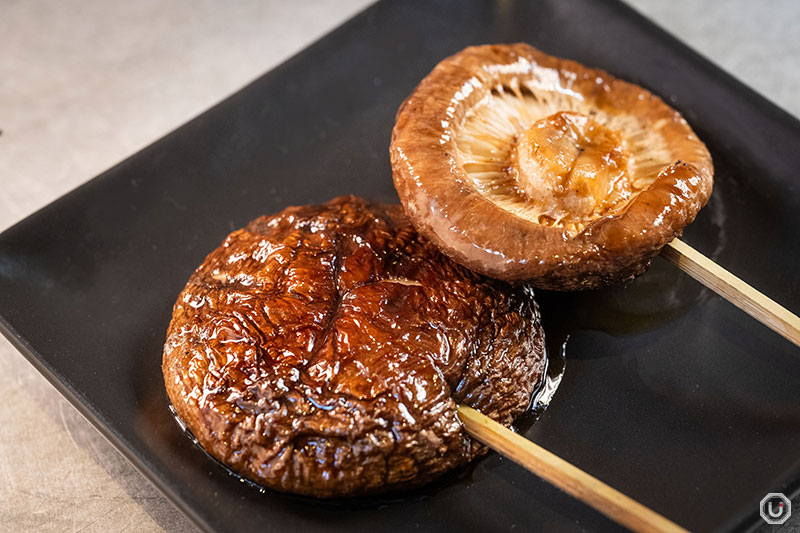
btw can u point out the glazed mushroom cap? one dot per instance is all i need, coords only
(524, 166)
(324, 351)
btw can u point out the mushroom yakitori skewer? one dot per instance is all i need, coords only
(527, 167)
(324, 350)
(523, 166)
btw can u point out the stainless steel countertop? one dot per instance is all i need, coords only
(83, 84)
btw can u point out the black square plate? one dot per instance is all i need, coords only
(670, 395)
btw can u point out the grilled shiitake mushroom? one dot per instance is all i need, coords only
(524, 166)
(323, 351)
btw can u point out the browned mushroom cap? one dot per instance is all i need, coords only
(524, 166)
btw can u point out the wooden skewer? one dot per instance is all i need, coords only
(563, 475)
(578, 483)
(733, 289)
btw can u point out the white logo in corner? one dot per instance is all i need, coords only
(775, 508)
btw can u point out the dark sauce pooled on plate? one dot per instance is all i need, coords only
(323, 351)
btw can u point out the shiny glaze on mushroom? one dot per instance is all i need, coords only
(524, 166)
(323, 351)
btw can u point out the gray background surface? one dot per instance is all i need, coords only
(84, 84)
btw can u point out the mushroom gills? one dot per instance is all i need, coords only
(541, 152)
